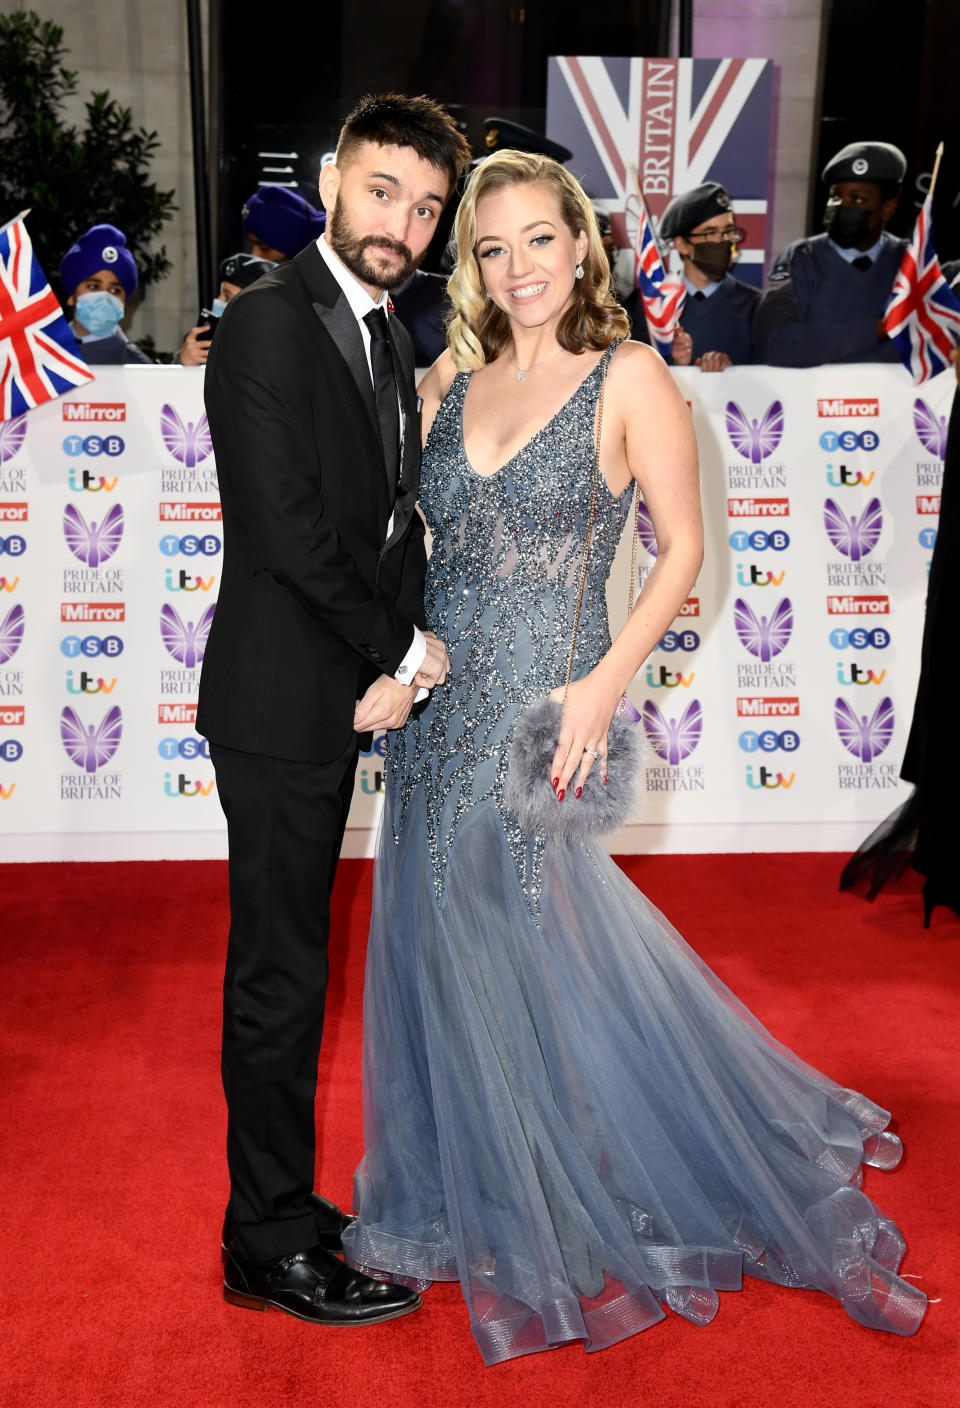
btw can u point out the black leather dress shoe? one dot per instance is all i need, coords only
(331, 1225)
(314, 1285)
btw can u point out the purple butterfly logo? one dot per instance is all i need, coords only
(93, 746)
(764, 636)
(864, 737)
(11, 634)
(645, 530)
(188, 443)
(185, 641)
(12, 435)
(931, 429)
(752, 439)
(93, 543)
(854, 537)
(673, 739)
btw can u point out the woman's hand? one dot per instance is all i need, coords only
(586, 719)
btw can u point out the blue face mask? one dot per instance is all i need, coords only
(217, 307)
(100, 312)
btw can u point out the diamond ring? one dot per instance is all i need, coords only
(594, 753)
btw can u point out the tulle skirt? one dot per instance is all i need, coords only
(570, 1114)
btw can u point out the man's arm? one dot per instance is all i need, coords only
(259, 403)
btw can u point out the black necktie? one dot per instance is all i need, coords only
(863, 262)
(385, 390)
(699, 297)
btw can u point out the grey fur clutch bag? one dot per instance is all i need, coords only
(528, 791)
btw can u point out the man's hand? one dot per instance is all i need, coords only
(436, 663)
(682, 353)
(386, 704)
(714, 362)
(193, 353)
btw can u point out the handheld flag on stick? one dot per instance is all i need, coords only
(922, 315)
(39, 358)
(663, 298)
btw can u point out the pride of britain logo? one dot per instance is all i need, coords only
(854, 537)
(185, 640)
(864, 735)
(11, 634)
(755, 440)
(187, 441)
(91, 746)
(764, 636)
(672, 739)
(93, 543)
(931, 429)
(12, 435)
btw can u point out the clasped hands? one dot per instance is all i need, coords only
(387, 702)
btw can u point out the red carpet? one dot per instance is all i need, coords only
(115, 1179)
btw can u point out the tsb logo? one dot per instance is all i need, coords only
(91, 646)
(679, 640)
(11, 751)
(832, 440)
(93, 445)
(190, 545)
(860, 638)
(769, 741)
(171, 748)
(759, 540)
(13, 546)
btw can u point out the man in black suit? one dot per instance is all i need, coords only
(318, 639)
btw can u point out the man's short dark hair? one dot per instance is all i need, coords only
(394, 120)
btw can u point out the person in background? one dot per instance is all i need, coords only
(99, 275)
(826, 294)
(716, 329)
(237, 272)
(278, 223)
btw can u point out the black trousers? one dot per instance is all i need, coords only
(285, 824)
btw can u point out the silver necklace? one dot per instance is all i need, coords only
(522, 371)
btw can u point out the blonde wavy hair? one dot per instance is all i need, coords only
(478, 331)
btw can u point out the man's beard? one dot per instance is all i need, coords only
(353, 252)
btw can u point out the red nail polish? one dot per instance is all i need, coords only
(604, 779)
(561, 794)
(579, 792)
(555, 781)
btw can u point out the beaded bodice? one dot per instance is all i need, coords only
(500, 591)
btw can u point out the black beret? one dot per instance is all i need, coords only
(866, 161)
(502, 133)
(688, 210)
(244, 269)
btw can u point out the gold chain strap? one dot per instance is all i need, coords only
(590, 517)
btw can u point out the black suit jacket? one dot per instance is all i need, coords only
(313, 602)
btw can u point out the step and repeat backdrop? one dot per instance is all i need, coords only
(782, 693)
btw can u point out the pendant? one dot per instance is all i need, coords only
(521, 374)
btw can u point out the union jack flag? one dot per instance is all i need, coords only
(922, 316)
(39, 358)
(678, 123)
(663, 298)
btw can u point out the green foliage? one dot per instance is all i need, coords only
(71, 180)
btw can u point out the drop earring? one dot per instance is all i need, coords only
(578, 271)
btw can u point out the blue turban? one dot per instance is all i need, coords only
(282, 219)
(102, 247)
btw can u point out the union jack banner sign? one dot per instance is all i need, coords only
(922, 316)
(680, 122)
(39, 358)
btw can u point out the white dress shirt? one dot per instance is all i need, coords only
(360, 305)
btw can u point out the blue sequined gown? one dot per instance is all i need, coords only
(564, 1109)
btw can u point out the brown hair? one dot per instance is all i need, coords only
(394, 120)
(478, 330)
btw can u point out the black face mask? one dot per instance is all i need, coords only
(847, 225)
(712, 259)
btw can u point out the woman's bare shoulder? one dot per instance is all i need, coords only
(436, 382)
